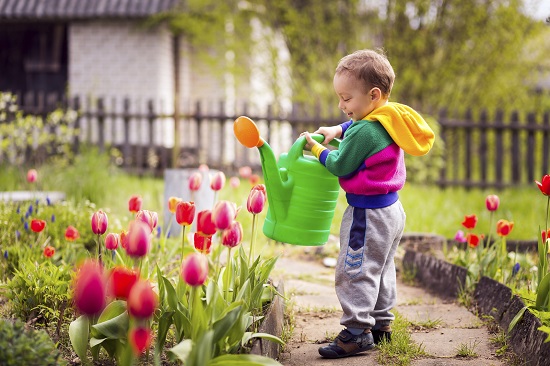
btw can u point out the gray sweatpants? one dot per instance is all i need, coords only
(365, 271)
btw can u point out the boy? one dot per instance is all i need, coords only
(371, 169)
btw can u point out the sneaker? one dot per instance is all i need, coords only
(380, 335)
(347, 344)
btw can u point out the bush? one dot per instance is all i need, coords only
(21, 346)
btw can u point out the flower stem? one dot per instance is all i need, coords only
(228, 275)
(183, 240)
(252, 239)
(99, 249)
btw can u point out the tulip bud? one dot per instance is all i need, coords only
(49, 251)
(138, 239)
(111, 241)
(544, 185)
(203, 168)
(185, 213)
(121, 281)
(194, 269)
(99, 222)
(195, 181)
(256, 199)
(149, 217)
(134, 204)
(491, 202)
(172, 203)
(234, 182)
(89, 288)
(233, 236)
(32, 175)
(217, 181)
(37, 225)
(202, 242)
(140, 339)
(71, 233)
(142, 300)
(245, 171)
(223, 214)
(205, 225)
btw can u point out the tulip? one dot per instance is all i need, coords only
(491, 202)
(195, 181)
(134, 204)
(111, 241)
(32, 175)
(151, 218)
(140, 339)
(194, 269)
(202, 242)
(172, 203)
(459, 237)
(99, 222)
(89, 288)
(245, 172)
(223, 214)
(205, 225)
(469, 222)
(71, 233)
(545, 235)
(254, 179)
(138, 239)
(121, 281)
(49, 251)
(124, 239)
(256, 199)
(234, 182)
(217, 182)
(233, 235)
(504, 227)
(37, 225)
(203, 168)
(185, 213)
(142, 300)
(473, 240)
(544, 185)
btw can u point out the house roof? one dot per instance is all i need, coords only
(81, 9)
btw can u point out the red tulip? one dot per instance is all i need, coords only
(89, 288)
(172, 203)
(185, 213)
(234, 182)
(491, 202)
(111, 241)
(545, 235)
(49, 251)
(121, 281)
(194, 269)
(32, 175)
(99, 222)
(245, 171)
(205, 225)
(140, 339)
(142, 300)
(224, 214)
(470, 221)
(71, 234)
(37, 225)
(138, 239)
(217, 182)
(151, 218)
(544, 185)
(504, 227)
(195, 181)
(256, 199)
(134, 204)
(124, 239)
(473, 240)
(233, 236)
(254, 179)
(202, 242)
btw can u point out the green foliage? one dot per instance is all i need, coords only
(21, 346)
(425, 169)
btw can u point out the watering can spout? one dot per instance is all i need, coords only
(248, 135)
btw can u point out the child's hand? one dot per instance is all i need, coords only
(330, 133)
(310, 141)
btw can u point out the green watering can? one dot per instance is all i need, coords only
(301, 192)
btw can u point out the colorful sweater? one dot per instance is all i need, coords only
(370, 162)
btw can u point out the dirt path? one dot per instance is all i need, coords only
(310, 288)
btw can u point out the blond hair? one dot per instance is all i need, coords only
(369, 67)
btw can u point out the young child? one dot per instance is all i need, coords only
(371, 169)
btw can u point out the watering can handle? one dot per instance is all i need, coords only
(297, 149)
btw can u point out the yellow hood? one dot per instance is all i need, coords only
(406, 127)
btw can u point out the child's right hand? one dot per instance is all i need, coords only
(330, 133)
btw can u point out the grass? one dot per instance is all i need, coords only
(467, 349)
(401, 351)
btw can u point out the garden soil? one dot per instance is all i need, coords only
(316, 312)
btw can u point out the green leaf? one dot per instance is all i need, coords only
(164, 323)
(542, 293)
(78, 334)
(545, 329)
(269, 337)
(182, 350)
(114, 328)
(242, 360)
(224, 325)
(517, 318)
(171, 297)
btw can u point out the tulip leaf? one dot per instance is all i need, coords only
(110, 345)
(542, 293)
(114, 328)
(269, 337)
(78, 334)
(225, 324)
(517, 318)
(545, 329)
(243, 360)
(182, 350)
(112, 310)
(164, 323)
(171, 297)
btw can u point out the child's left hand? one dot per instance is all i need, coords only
(310, 141)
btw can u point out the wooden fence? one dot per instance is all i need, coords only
(484, 150)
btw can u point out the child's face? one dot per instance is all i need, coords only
(352, 99)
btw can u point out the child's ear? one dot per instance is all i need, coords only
(375, 94)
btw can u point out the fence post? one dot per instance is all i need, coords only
(545, 142)
(531, 125)
(515, 147)
(101, 124)
(483, 148)
(126, 150)
(499, 147)
(468, 143)
(76, 138)
(442, 132)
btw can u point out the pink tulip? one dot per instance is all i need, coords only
(233, 236)
(142, 300)
(234, 182)
(203, 168)
(256, 199)
(111, 241)
(491, 202)
(194, 269)
(140, 339)
(254, 179)
(138, 239)
(99, 222)
(459, 236)
(151, 218)
(217, 182)
(223, 214)
(245, 171)
(134, 204)
(195, 181)
(205, 225)
(89, 288)
(32, 175)
(185, 213)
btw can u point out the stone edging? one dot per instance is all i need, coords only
(272, 324)
(492, 298)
